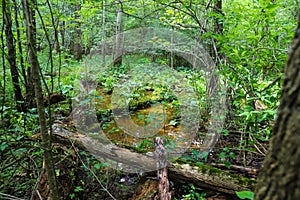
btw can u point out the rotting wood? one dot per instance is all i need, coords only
(180, 171)
(162, 170)
(210, 178)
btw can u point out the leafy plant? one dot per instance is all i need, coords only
(193, 193)
(226, 155)
(245, 195)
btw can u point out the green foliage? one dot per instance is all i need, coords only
(226, 155)
(245, 195)
(196, 157)
(252, 51)
(193, 193)
(21, 156)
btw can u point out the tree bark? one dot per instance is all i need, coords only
(118, 46)
(29, 17)
(19, 42)
(104, 32)
(11, 57)
(180, 172)
(218, 28)
(162, 170)
(29, 10)
(280, 176)
(77, 44)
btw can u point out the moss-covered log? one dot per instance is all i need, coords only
(209, 177)
(179, 172)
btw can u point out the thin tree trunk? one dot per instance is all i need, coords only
(56, 42)
(104, 33)
(218, 26)
(77, 45)
(19, 42)
(162, 170)
(11, 57)
(62, 27)
(118, 46)
(172, 54)
(280, 176)
(29, 96)
(29, 12)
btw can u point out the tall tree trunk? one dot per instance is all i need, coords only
(29, 12)
(118, 46)
(77, 44)
(172, 54)
(19, 42)
(62, 26)
(103, 49)
(11, 57)
(218, 26)
(56, 42)
(29, 96)
(280, 176)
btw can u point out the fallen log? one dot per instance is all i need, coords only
(180, 171)
(104, 150)
(209, 177)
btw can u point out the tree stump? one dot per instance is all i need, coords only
(162, 170)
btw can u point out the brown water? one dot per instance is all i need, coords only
(144, 121)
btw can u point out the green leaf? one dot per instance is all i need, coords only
(222, 155)
(3, 146)
(245, 194)
(98, 166)
(78, 189)
(173, 122)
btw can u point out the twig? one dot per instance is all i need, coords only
(92, 172)
(249, 170)
(271, 84)
(35, 186)
(39, 195)
(256, 142)
(10, 197)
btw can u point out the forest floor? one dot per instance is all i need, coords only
(232, 153)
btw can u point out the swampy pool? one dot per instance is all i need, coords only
(144, 122)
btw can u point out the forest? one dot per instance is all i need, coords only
(150, 99)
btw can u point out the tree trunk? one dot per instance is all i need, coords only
(181, 171)
(19, 42)
(218, 27)
(29, 13)
(280, 176)
(104, 32)
(118, 46)
(77, 45)
(162, 170)
(11, 57)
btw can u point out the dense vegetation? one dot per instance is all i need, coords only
(247, 40)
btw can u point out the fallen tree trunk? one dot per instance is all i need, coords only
(104, 150)
(209, 177)
(179, 172)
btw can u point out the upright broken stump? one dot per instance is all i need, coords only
(162, 170)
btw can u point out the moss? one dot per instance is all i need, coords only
(249, 182)
(135, 149)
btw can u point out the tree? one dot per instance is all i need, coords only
(280, 176)
(11, 57)
(118, 45)
(77, 34)
(29, 7)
